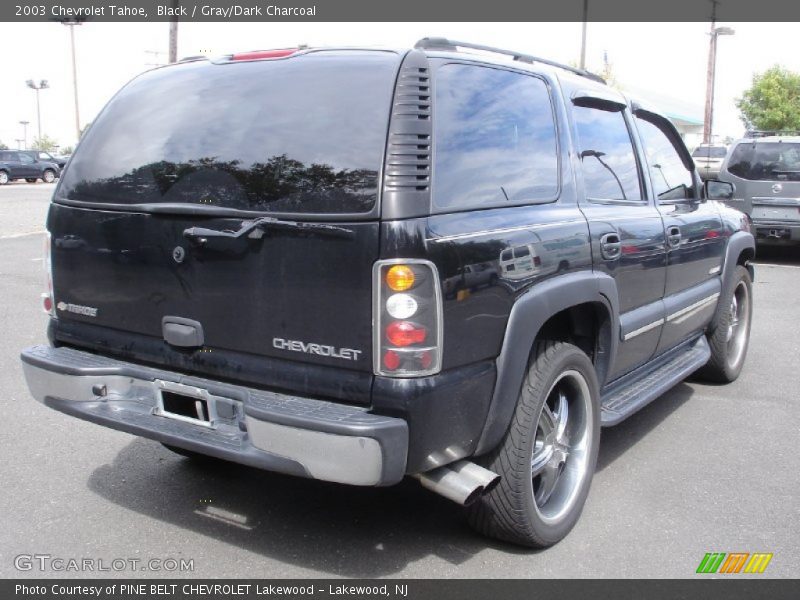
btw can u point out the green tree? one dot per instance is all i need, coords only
(45, 143)
(67, 150)
(3, 146)
(773, 101)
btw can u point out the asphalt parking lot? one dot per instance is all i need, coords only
(703, 469)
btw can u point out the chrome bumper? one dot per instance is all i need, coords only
(276, 432)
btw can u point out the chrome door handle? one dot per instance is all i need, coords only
(610, 246)
(674, 236)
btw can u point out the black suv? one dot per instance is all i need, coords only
(248, 260)
(23, 164)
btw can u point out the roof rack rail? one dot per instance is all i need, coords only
(759, 133)
(437, 43)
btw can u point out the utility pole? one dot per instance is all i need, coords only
(25, 133)
(71, 23)
(715, 32)
(173, 35)
(583, 33)
(19, 144)
(42, 85)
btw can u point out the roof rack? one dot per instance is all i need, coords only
(437, 43)
(759, 133)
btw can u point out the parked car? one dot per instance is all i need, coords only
(708, 159)
(43, 156)
(19, 164)
(766, 172)
(257, 273)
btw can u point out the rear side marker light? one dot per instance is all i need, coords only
(48, 305)
(407, 318)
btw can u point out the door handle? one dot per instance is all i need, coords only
(674, 236)
(610, 246)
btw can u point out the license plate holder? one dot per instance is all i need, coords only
(777, 213)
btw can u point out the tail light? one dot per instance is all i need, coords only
(407, 319)
(48, 304)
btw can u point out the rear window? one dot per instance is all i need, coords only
(766, 161)
(300, 135)
(710, 152)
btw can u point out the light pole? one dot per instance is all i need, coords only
(25, 133)
(19, 144)
(708, 122)
(583, 33)
(42, 85)
(71, 23)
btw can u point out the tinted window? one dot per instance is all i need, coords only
(521, 251)
(607, 156)
(25, 158)
(495, 139)
(505, 255)
(305, 134)
(710, 152)
(671, 179)
(7, 156)
(770, 161)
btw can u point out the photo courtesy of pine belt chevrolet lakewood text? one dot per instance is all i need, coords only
(360, 265)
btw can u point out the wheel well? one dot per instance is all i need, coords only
(587, 326)
(746, 256)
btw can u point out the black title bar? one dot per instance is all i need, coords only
(401, 10)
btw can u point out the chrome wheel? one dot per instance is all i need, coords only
(738, 324)
(3, 178)
(560, 454)
(48, 177)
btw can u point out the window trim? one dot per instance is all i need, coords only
(437, 210)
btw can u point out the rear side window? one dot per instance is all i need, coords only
(766, 161)
(608, 161)
(299, 135)
(494, 139)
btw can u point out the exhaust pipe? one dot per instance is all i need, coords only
(463, 481)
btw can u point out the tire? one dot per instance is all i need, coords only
(4, 179)
(731, 336)
(31, 180)
(548, 455)
(49, 176)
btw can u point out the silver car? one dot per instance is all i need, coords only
(766, 174)
(708, 159)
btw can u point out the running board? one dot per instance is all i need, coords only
(638, 389)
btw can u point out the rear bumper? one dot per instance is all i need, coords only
(277, 432)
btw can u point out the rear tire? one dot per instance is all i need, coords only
(49, 176)
(731, 336)
(548, 455)
(4, 179)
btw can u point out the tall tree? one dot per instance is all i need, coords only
(772, 102)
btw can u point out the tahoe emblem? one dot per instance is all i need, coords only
(88, 311)
(319, 349)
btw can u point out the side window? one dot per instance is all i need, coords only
(44, 156)
(671, 179)
(521, 252)
(26, 158)
(494, 139)
(607, 156)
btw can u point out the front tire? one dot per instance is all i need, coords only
(4, 179)
(548, 455)
(731, 336)
(49, 176)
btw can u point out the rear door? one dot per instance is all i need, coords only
(238, 197)
(626, 228)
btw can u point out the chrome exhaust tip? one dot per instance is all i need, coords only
(463, 481)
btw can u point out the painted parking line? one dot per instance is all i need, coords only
(775, 265)
(19, 235)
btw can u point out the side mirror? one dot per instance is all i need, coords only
(718, 190)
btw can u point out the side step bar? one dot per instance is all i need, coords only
(638, 389)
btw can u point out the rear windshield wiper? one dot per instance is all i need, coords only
(255, 230)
